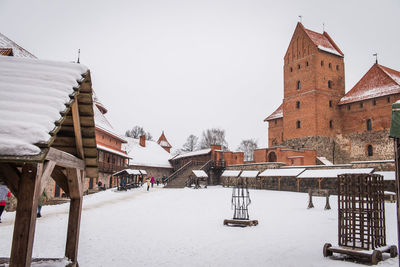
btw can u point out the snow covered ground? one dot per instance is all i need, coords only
(184, 227)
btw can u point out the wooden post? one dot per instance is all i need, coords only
(25, 218)
(298, 184)
(397, 163)
(319, 183)
(74, 221)
(279, 183)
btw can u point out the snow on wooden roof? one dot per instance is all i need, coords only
(325, 161)
(278, 113)
(378, 81)
(17, 51)
(127, 171)
(323, 42)
(36, 97)
(112, 150)
(281, 172)
(193, 153)
(200, 173)
(152, 155)
(249, 174)
(331, 173)
(387, 175)
(230, 173)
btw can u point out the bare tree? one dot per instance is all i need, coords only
(191, 144)
(248, 146)
(138, 131)
(213, 136)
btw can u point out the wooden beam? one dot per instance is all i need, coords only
(25, 218)
(61, 179)
(65, 159)
(74, 221)
(77, 129)
(48, 169)
(11, 176)
(74, 183)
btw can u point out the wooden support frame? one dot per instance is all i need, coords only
(11, 175)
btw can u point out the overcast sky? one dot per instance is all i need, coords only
(184, 66)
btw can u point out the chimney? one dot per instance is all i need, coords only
(142, 141)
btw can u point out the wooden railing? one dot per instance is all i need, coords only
(179, 171)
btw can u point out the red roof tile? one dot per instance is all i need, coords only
(378, 81)
(278, 113)
(323, 41)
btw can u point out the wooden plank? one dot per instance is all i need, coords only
(64, 159)
(74, 221)
(85, 98)
(11, 176)
(25, 218)
(48, 169)
(86, 131)
(77, 130)
(61, 179)
(92, 172)
(74, 183)
(86, 110)
(86, 121)
(67, 140)
(91, 162)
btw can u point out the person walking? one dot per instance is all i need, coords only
(42, 200)
(4, 195)
(148, 183)
(152, 181)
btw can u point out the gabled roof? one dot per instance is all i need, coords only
(322, 41)
(104, 125)
(17, 51)
(378, 81)
(162, 141)
(193, 153)
(278, 113)
(36, 99)
(152, 155)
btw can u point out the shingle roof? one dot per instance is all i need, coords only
(17, 51)
(278, 113)
(378, 81)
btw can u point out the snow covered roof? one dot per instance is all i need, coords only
(378, 81)
(17, 51)
(35, 105)
(111, 150)
(104, 125)
(278, 113)
(281, 172)
(230, 173)
(193, 153)
(152, 155)
(200, 173)
(331, 173)
(387, 175)
(128, 171)
(249, 174)
(323, 42)
(143, 172)
(325, 161)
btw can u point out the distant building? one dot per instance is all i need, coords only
(10, 48)
(317, 114)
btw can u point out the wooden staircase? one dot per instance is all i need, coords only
(180, 177)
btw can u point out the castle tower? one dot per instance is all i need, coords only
(313, 85)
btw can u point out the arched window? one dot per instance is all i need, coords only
(330, 65)
(369, 125)
(329, 84)
(298, 104)
(298, 85)
(272, 157)
(298, 124)
(370, 151)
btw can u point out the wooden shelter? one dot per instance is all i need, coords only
(128, 178)
(46, 130)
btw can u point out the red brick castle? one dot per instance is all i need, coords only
(316, 113)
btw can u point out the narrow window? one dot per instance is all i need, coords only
(348, 107)
(388, 99)
(329, 84)
(298, 104)
(322, 63)
(330, 103)
(370, 151)
(369, 125)
(337, 67)
(291, 69)
(330, 65)
(298, 66)
(298, 85)
(298, 124)
(276, 121)
(374, 102)
(361, 104)
(331, 124)
(307, 64)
